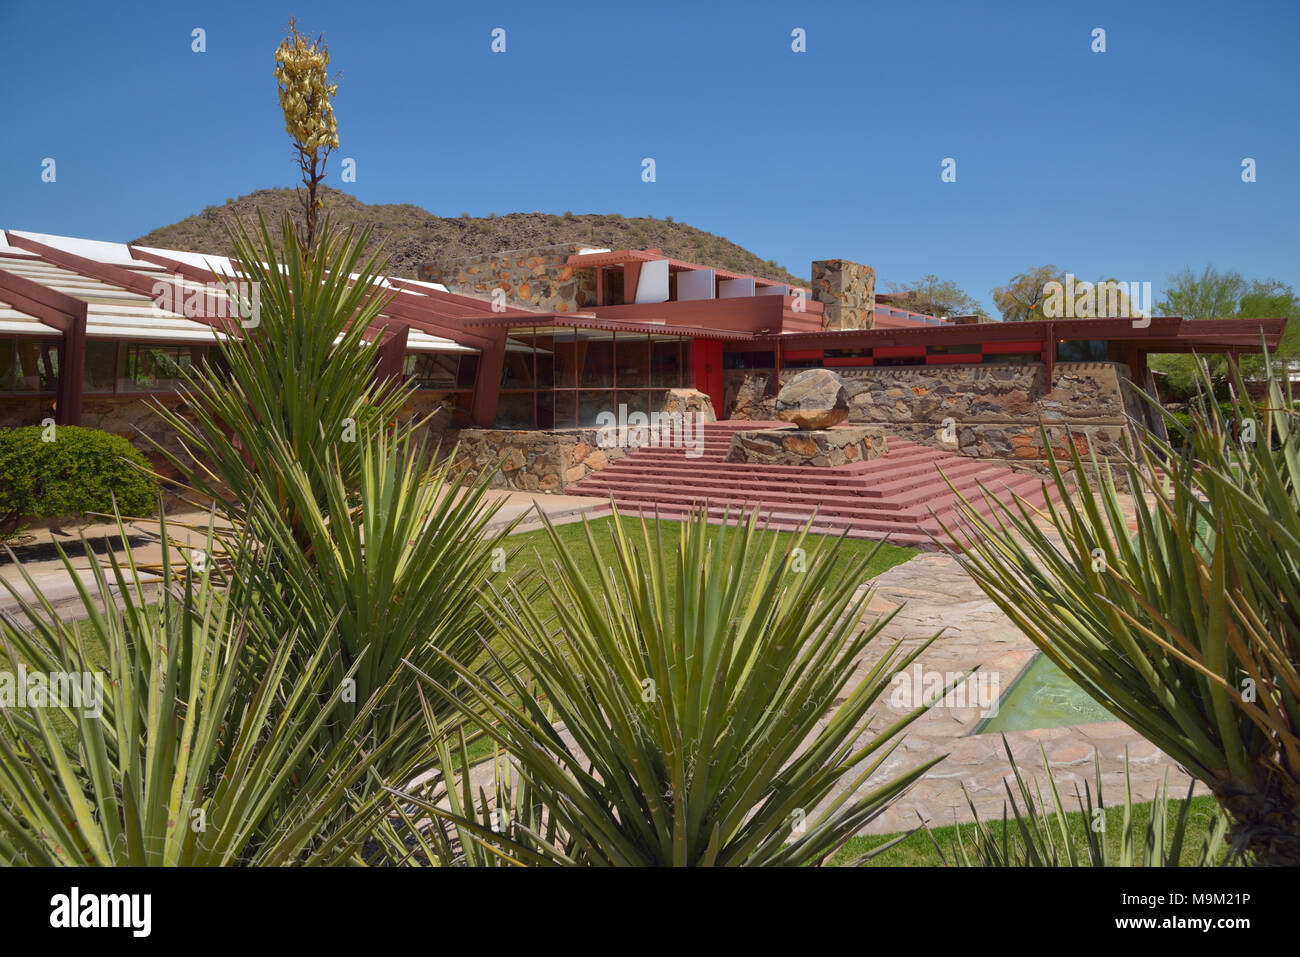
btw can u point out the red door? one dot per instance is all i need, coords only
(707, 359)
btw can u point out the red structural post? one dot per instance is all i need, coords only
(66, 314)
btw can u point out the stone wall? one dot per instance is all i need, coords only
(749, 394)
(847, 290)
(129, 416)
(533, 461)
(536, 278)
(439, 409)
(996, 409)
(16, 413)
(820, 448)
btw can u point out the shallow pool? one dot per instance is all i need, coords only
(1043, 697)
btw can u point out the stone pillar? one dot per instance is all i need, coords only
(847, 290)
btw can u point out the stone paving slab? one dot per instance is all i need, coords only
(935, 593)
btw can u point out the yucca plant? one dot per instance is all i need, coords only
(1042, 836)
(688, 707)
(366, 543)
(188, 760)
(302, 374)
(1189, 630)
(386, 574)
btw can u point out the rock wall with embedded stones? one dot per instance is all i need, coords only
(20, 412)
(847, 290)
(749, 394)
(821, 448)
(536, 278)
(538, 461)
(996, 409)
(439, 409)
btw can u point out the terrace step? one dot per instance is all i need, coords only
(906, 494)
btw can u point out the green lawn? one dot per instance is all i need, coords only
(536, 553)
(918, 850)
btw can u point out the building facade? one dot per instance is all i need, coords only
(547, 339)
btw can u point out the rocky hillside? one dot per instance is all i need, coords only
(411, 235)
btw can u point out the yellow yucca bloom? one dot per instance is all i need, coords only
(305, 89)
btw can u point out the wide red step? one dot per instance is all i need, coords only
(905, 494)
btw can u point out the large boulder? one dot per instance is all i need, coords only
(688, 402)
(813, 399)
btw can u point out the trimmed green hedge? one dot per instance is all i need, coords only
(79, 471)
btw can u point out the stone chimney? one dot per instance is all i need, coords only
(847, 290)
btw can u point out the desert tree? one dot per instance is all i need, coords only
(1022, 297)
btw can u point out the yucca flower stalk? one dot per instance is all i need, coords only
(689, 707)
(1188, 630)
(306, 90)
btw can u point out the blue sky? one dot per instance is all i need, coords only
(1125, 163)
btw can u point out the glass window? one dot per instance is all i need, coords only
(638, 401)
(565, 409)
(468, 372)
(749, 360)
(632, 360)
(187, 357)
(666, 364)
(6, 365)
(545, 409)
(514, 410)
(1012, 358)
(36, 366)
(545, 366)
(847, 353)
(517, 370)
(148, 368)
(564, 345)
(100, 371)
(591, 404)
(1081, 350)
(432, 370)
(595, 355)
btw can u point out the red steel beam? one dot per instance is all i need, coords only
(117, 276)
(68, 315)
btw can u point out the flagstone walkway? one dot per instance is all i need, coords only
(935, 593)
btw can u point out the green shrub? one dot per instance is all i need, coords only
(79, 471)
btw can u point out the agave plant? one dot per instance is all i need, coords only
(186, 760)
(1189, 631)
(1042, 836)
(689, 707)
